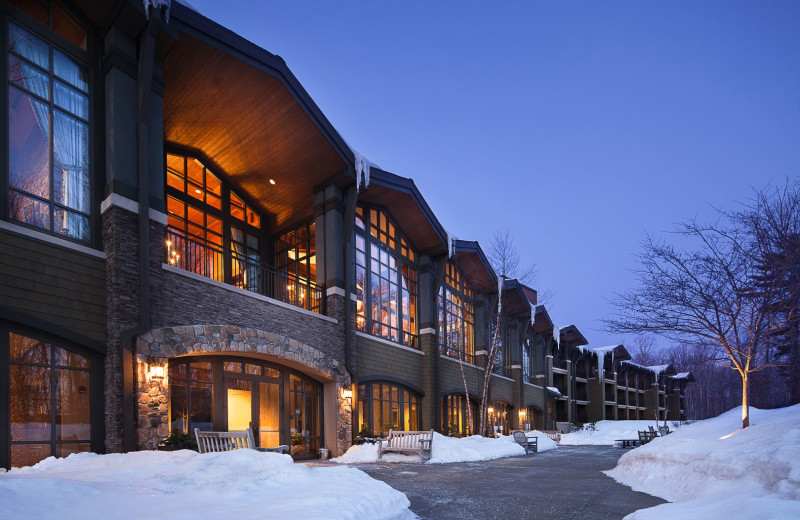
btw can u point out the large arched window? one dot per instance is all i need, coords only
(387, 406)
(455, 418)
(456, 317)
(49, 185)
(282, 406)
(386, 278)
(50, 398)
(212, 230)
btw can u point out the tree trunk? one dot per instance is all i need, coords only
(745, 406)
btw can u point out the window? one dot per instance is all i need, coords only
(500, 417)
(48, 127)
(206, 219)
(386, 279)
(296, 256)
(455, 419)
(190, 396)
(456, 317)
(50, 400)
(385, 406)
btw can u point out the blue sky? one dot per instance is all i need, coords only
(579, 126)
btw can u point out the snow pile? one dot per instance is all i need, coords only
(714, 469)
(450, 449)
(606, 433)
(544, 442)
(186, 485)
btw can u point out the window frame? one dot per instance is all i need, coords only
(458, 286)
(96, 390)
(83, 58)
(405, 257)
(366, 405)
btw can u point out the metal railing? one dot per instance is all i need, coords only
(242, 272)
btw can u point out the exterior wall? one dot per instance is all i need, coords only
(54, 284)
(377, 358)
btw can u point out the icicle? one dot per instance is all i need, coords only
(363, 166)
(157, 4)
(451, 247)
(556, 334)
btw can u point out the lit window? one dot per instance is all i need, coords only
(456, 317)
(383, 407)
(386, 279)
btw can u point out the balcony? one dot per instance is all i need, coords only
(243, 272)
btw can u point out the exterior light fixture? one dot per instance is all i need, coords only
(522, 413)
(272, 181)
(155, 371)
(490, 410)
(347, 393)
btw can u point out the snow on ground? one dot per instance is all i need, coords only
(715, 469)
(450, 449)
(186, 485)
(607, 432)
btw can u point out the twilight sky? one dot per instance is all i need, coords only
(579, 126)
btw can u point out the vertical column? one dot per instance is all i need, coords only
(427, 327)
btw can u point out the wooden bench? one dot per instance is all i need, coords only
(529, 443)
(646, 436)
(404, 442)
(211, 442)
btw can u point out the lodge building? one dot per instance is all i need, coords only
(187, 242)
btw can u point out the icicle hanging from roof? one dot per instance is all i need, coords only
(556, 334)
(451, 247)
(157, 4)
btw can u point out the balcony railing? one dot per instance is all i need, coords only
(242, 272)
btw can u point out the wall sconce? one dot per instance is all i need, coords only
(347, 393)
(155, 371)
(490, 409)
(522, 413)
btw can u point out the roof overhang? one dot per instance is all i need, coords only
(515, 301)
(242, 109)
(573, 336)
(472, 262)
(619, 352)
(542, 322)
(401, 198)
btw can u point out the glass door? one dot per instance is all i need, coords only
(240, 404)
(269, 413)
(304, 417)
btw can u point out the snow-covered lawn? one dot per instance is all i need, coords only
(606, 432)
(187, 485)
(450, 449)
(714, 469)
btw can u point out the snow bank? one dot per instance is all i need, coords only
(186, 485)
(714, 469)
(450, 449)
(607, 432)
(544, 443)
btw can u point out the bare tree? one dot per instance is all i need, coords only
(505, 259)
(705, 295)
(643, 350)
(493, 349)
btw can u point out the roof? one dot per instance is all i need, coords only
(515, 301)
(542, 322)
(571, 334)
(471, 260)
(657, 370)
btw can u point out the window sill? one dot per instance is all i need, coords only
(388, 342)
(454, 360)
(51, 239)
(244, 292)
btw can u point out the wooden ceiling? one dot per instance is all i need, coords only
(248, 124)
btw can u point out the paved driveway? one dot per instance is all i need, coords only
(565, 483)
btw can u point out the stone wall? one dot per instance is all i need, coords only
(161, 344)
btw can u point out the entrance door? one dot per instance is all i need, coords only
(240, 404)
(269, 413)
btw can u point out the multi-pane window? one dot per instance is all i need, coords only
(499, 413)
(456, 417)
(190, 396)
(207, 220)
(526, 360)
(383, 407)
(456, 317)
(48, 133)
(296, 255)
(50, 400)
(386, 279)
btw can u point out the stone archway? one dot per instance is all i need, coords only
(162, 344)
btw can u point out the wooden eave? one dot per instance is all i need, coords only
(404, 202)
(515, 303)
(241, 107)
(572, 335)
(470, 259)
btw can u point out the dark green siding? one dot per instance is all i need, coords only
(54, 284)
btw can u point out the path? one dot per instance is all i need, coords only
(562, 484)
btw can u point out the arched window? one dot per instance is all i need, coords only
(387, 406)
(386, 278)
(455, 419)
(500, 417)
(50, 396)
(456, 316)
(208, 221)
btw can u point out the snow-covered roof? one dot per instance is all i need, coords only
(554, 390)
(681, 375)
(657, 369)
(605, 349)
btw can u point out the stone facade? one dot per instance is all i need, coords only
(161, 344)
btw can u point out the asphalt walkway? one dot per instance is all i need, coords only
(562, 484)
